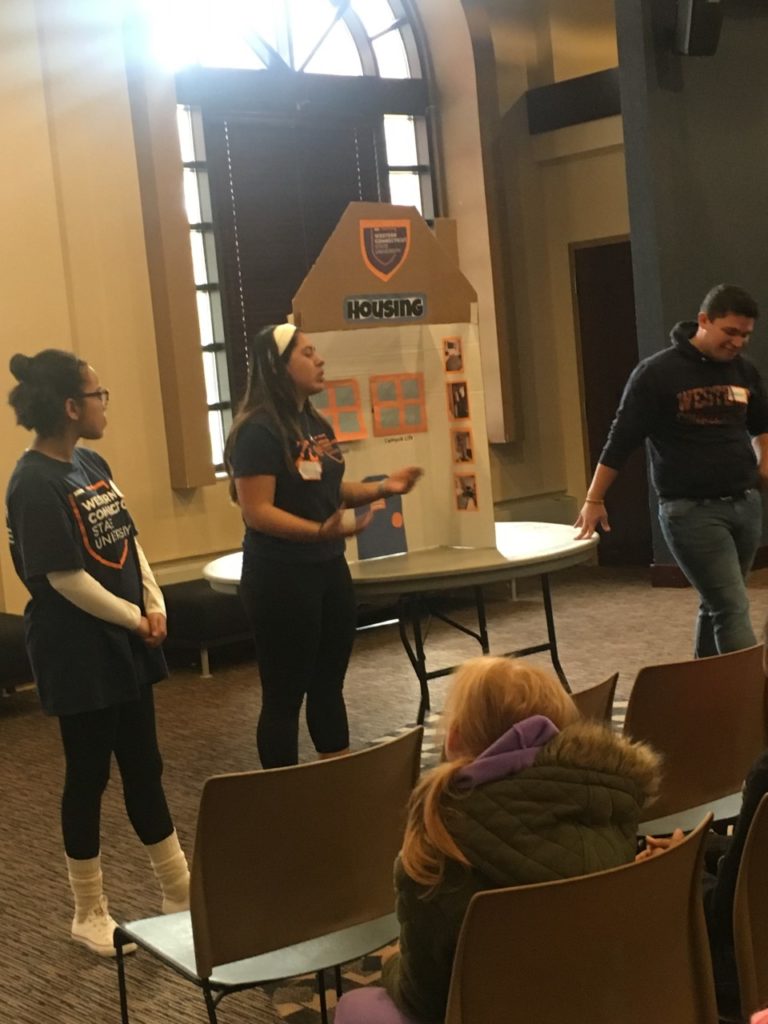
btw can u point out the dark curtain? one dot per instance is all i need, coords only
(278, 188)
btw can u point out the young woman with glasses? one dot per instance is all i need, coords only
(94, 626)
(286, 473)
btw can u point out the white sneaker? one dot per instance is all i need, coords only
(96, 930)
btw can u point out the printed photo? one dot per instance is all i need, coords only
(458, 400)
(452, 357)
(466, 492)
(463, 446)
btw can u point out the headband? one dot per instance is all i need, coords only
(284, 335)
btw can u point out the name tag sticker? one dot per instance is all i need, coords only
(310, 470)
(740, 395)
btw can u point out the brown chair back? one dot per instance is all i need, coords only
(707, 719)
(597, 701)
(627, 945)
(750, 915)
(290, 854)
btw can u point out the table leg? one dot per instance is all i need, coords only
(551, 632)
(409, 613)
(482, 624)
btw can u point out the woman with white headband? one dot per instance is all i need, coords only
(286, 473)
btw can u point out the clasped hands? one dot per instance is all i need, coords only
(152, 628)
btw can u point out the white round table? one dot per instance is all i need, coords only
(522, 549)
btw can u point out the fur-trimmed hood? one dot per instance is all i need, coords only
(594, 746)
(574, 810)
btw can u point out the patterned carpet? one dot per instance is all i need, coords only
(606, 620)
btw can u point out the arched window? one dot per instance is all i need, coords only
(288, 110)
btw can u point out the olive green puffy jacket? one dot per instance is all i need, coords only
(573, 812)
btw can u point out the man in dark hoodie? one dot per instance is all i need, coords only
(703, 409)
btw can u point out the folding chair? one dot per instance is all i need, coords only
(292, 873)
(750, 915)
(597, 701)
(626, 945)
(707, 719)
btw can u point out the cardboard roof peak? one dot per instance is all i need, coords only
(378, 250)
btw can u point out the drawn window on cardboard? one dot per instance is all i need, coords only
(398, 404)
(340, 404)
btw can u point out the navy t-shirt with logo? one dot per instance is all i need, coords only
(311, 490)
(70, 515)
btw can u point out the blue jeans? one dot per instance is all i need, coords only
(714, 542)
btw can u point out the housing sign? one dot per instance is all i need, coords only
(385, 308)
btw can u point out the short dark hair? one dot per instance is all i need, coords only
(727, 298)
(46, 381)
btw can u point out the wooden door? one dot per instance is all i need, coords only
(605, 314)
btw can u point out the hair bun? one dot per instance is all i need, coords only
(20, 366)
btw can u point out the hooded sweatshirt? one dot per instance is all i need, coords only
(536, 806)
(697, 415)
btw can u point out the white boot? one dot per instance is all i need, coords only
(172, 872)
(92, 924)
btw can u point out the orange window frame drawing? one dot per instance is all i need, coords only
(330, 406)
(405, 412)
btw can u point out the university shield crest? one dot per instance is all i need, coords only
(385, 245)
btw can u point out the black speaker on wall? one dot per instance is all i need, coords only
(698, 27)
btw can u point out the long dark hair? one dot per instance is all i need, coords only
(270, 392)
(46, 381)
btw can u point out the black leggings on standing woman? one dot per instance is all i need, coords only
(90, 738)
(303, 620)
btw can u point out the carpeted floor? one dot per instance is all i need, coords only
(607, 620)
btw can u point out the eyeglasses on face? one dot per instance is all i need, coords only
(101, 393)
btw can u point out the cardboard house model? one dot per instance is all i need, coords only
(396, 322)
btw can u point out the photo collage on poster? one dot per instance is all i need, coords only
(462, 444)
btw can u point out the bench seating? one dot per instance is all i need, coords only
(201, 618)
(15, 669)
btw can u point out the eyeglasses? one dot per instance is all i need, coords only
(101, 393)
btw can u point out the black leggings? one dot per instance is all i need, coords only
(303, 621)
(90, 738)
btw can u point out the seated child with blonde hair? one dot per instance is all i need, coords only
(529, 792)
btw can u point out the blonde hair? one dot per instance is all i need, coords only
(488, 696)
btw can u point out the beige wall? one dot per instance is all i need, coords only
(562, 187)
(583, 37)
(74, 264)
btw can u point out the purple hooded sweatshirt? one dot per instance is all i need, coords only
(510, 753)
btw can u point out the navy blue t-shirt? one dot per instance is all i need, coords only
(70, 515)
(316, 495)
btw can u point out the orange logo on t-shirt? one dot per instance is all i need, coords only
(102, 519)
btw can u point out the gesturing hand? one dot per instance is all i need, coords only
(402, 480)
(337, 527)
